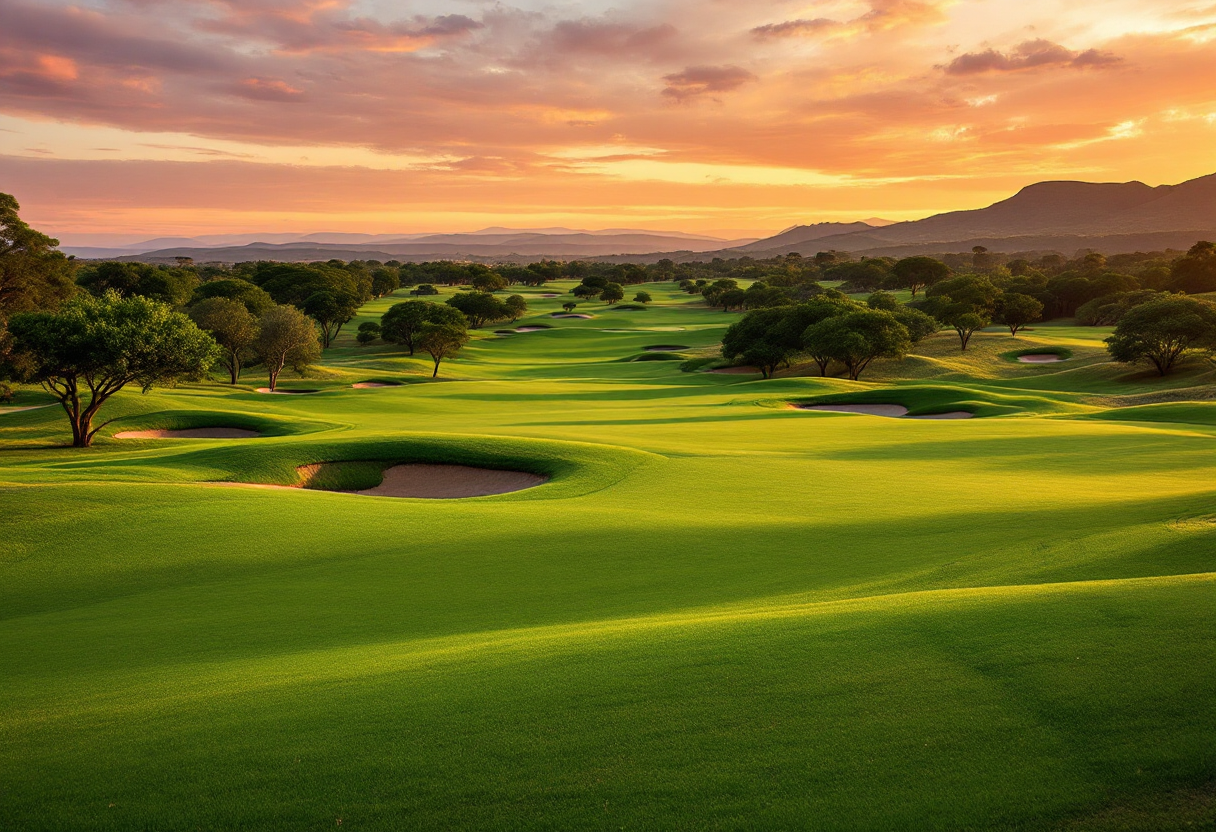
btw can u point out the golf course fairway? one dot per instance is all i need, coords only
(704, 607)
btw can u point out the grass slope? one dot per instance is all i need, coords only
(718, 613)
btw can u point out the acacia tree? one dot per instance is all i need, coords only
(857, 338)
(441, 341)
(612, 293)
(232, 327)
(1163, 331)
(400, 324)
(286, 336)
(102, 344)
(1015, 311)
(642, 297)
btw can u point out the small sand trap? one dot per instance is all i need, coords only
(666, 348)
(737, 371)
(367, 385)
(532, 329)
(550, 295)
(572, 315)
(189, 433)
(892, 410)
(1040, 358)
(282, 392)
(445, 482)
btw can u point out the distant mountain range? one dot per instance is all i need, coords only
(486, 243)
(1048, 216)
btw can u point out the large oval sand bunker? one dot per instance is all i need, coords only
(445, 482)
(189, 433)
(1040, 358)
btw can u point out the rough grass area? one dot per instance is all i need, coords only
(719, 613)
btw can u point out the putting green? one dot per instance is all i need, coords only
(716, 611)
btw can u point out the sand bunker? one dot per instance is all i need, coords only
(666, 348)
(550, 295)
(571, 315)
(737, 371)
(532, 329)
(366, 385)
(189, 433)
(893, 411)
(445, 482)
(282, 392)
(1040, 358)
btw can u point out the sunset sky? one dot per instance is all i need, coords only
(140, 118)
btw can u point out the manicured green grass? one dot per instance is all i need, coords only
(718, 613)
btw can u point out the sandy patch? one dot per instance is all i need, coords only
(1039, 358)
(532, 329)
(666, 348)
(367, 385)
(440, 482)
(189, 433)
(550, 295)
(736, 371)
(953, 414)
(891, 410)
(572, 315)
(281, 392)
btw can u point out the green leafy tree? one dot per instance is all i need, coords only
(368, 331)
(286, 337)
(733, 299)
(884, 301)
(1164, 331)
(918, 324)
(1016, 311)
(103, 344)
(331, 310)
(967, 324)
(857, 338)
(1196, 272)
(517, 305)
(423, 289)
(441, 341)
(612, 293)
(480, 308)
(385, 281)
(254, 297)
(642, 297)
(569, 306)
(232, 327)
(173, 286)
(916, 273)
(33, 273)
(1109, 310)
(488, 282)
(402, 321)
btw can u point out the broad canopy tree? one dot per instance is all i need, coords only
(401, 323)
(95, 346)
(857, 338)
(916, 273)
(440, 341)
(480, 308)
(1164, 331)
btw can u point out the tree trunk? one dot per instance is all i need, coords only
(436, 372)
(274, 377)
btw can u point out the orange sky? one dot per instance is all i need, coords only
(148, 117)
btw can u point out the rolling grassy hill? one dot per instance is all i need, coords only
(720, 612)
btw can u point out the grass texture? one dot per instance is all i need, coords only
(719, 612)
